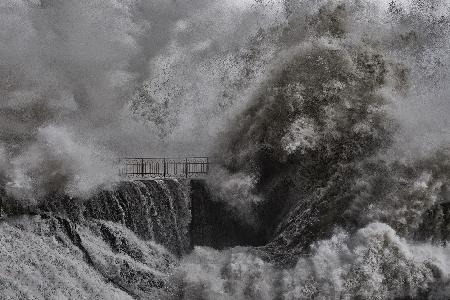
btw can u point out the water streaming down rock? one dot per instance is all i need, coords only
(156, 210)
(115, 236)
(177, 214)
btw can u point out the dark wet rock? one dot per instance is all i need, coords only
(215, 224)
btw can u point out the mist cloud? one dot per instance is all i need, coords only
(73, 67)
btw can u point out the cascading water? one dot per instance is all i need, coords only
(156, 210)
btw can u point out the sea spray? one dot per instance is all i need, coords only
(372, 263)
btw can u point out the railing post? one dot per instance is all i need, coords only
(186, 168)
(142, 167)
(164, 167)
(207, 165)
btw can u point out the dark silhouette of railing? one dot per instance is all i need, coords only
(165, 167)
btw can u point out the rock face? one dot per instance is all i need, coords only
(436, 224)
(215, 224)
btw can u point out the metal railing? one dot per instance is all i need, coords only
(164, 167)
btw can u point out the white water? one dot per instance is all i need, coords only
(373, 263)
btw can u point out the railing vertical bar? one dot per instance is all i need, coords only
(164, 167)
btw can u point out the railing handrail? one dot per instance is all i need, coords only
(163, 157)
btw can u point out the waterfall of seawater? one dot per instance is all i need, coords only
(153, 209)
